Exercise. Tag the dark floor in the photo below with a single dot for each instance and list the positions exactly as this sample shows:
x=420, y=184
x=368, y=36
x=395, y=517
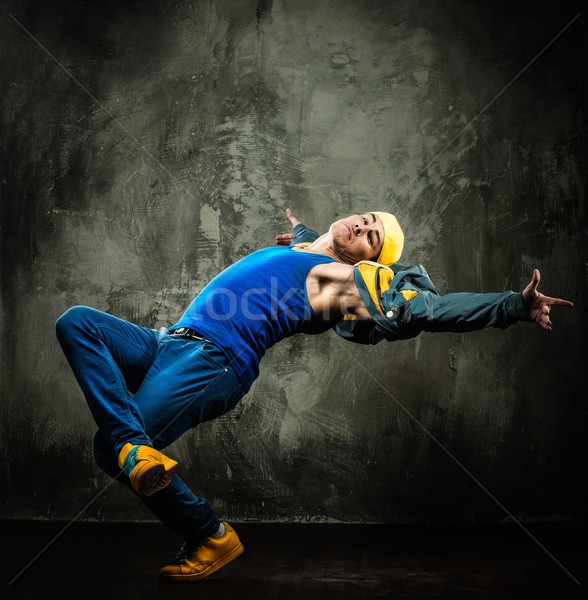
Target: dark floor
x=107, y=561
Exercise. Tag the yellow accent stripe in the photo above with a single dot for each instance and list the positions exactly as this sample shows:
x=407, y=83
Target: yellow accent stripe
x=408, y=294
x=386, y=278
x=367, y=270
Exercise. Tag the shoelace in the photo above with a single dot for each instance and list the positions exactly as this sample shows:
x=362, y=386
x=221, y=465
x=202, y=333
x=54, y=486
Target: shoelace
x=130, y=461
x=185, y=552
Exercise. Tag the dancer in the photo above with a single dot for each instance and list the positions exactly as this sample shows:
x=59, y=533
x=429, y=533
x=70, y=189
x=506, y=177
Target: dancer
x=146, y=387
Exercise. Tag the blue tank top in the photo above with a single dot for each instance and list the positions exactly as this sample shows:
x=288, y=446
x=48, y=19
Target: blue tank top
x=254, y=303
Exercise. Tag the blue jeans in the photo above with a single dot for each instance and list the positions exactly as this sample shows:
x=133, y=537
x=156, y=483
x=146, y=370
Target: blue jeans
x=145, y=386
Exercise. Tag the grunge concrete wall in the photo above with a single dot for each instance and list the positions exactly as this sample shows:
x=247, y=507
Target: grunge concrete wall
x=145, y=146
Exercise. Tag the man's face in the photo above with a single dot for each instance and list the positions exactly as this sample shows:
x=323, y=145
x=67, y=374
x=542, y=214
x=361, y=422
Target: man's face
x=358, y=237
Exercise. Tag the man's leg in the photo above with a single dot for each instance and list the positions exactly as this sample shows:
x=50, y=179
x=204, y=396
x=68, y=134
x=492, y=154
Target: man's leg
x=188, y=383
x=176, y=506
x=110, y=358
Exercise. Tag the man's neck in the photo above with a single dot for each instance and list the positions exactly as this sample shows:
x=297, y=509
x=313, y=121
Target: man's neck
x=323, y=245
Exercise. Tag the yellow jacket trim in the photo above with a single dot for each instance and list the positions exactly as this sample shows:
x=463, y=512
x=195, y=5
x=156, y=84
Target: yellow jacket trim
x=408, y=294
x=368, y=270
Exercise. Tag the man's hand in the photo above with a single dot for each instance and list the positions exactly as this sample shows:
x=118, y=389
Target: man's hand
x=284, y=239
x=538, y=305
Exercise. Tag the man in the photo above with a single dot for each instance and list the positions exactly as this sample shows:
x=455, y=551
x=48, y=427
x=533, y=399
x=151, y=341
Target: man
x=401, y=301
x=145, y=388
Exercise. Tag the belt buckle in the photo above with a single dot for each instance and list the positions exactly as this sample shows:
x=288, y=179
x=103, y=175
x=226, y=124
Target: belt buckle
x=188, y=333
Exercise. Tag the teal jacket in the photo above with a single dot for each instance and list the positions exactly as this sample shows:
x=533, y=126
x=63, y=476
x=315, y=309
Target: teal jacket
x=403, y=301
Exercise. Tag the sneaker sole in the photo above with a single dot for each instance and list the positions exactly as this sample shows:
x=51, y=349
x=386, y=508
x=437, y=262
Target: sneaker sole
x=151, y=478
x=221, y=562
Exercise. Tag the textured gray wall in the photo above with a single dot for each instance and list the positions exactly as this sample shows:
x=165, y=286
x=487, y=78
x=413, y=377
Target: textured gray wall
x=171, y=147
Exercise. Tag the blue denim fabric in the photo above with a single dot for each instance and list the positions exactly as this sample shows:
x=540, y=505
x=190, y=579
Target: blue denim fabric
x=145, y=386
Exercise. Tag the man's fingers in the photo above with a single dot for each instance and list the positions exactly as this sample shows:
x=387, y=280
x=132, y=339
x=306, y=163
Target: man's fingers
x=544, y=321
x=292, y=217
x=558, y=302
x=535, y=280
x=540, y=305
x=284, y=239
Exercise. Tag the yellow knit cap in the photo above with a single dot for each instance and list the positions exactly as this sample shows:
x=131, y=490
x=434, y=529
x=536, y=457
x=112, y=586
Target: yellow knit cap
x=393, y=239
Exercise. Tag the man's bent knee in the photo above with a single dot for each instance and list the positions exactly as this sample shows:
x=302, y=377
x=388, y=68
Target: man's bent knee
x=72, y=318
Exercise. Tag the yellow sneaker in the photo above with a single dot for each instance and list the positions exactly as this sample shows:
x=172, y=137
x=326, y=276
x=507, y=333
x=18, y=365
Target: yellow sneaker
x=192, y=563
x=148, y=469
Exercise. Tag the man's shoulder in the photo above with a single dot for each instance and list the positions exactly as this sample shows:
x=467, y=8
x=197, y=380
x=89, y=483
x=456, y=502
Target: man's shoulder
x=333, y=272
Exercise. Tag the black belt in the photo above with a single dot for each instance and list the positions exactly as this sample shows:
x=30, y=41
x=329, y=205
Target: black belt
x=186, y=332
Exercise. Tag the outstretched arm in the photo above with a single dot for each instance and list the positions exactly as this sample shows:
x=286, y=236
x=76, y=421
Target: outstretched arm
x=468, y=312
x=284, y=239
x=462, y=311
x=538, y=305
x=300, y=233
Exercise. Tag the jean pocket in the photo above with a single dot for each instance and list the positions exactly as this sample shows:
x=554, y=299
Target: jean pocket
x=215, y=355
x=222, y=395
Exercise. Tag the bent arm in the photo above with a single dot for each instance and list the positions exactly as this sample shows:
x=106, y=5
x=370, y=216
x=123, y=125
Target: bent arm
x=303, y=234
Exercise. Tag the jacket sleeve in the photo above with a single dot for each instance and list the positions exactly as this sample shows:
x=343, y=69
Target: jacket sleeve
x=409, y=304
x=458, y=312
x=303, y=235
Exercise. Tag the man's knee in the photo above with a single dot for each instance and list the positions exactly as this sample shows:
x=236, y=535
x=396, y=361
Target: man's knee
x=72, y=319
